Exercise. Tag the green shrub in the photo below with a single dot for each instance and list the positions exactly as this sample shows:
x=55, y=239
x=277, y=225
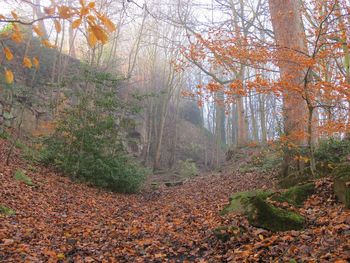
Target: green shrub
x=89, y=143
x=271, y=161
x=187, y=168
x=6, y=211
x=266, y=161
x=3, y=134
x=332, y=151
x=22, y=177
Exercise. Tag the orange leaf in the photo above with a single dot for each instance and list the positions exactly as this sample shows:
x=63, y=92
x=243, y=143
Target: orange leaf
x=91, y=20
x=60, y=256
x=64, y=12
x=46, y=43
x=92, y=40
x=58, y=26
x=9, y=76
x=100, y=34
x=76, y=23
x=36, y=62
x=49, y=10
x=91, y=5
x=8, y=54
x=17, y=37
x=38, y=31
x=15, y=16
x=26, y=62
x=84, y=11
x=108, y=23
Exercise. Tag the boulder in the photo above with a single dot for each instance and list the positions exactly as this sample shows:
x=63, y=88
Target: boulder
x=292, y=180
x=264, y=215
x=238, y=201
x=295, y=195
x=342, y=183
x=170, y=184
x=261, y=213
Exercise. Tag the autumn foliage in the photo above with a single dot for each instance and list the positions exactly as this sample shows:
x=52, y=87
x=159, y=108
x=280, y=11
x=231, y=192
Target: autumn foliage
x=325, y=85
x=85, y=14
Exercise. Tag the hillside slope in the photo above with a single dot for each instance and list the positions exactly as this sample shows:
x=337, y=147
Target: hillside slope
x=59, y=220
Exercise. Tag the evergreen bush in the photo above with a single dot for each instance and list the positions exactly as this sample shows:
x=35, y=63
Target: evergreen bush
x=89, y=141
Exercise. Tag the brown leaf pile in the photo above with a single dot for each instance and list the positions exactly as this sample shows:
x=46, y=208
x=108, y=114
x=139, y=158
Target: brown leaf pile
x=62, y=221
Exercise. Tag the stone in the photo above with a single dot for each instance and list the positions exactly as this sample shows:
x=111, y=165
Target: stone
x=292, y=180
x=295, y=195
x=239, y=200
x=342, y=183
x=264, y=215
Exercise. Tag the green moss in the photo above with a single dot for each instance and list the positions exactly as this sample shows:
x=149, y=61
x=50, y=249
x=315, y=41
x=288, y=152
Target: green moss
x=342, y=171
x=154, y=186
x=239, y=200
x=292, y=180
x=22, y=177
x=332, y=151
x=187, y=168
x=342, y=183
x=4, y=135
x=6, y=211
x=264, y=215
x=296, y=195
x=170, y=184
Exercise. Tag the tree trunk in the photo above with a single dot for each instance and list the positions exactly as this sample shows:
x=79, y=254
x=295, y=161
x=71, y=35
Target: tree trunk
x=242, y=135
x=290, y=36
x=255, y=132
x=262, y=111
x=234, y=125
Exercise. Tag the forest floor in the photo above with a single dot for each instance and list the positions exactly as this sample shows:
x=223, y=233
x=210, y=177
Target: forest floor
x=58, y=220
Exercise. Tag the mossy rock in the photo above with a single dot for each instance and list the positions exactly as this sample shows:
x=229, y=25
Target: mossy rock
x=6, y=211
x=171, y=184
x=292, y=180
x=264, y=215
x=342, y=183
x=154, y=186
x=22, y=177
x=238, y=201
x=295, y=195
x=225, y=233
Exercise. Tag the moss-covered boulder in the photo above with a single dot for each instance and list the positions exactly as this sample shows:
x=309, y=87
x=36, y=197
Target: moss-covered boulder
x=238, y=201
x=6, y=210
x=154, y=186
x=342, y=183
x=295, y=195
x=292, y=180
x=264, y=215
x=261, y=213
x=171, y=184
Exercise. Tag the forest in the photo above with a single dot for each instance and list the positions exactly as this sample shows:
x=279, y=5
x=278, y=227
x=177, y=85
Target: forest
x=175, y=131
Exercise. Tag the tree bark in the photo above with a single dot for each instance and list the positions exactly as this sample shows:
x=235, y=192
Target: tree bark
x=290, y=36
x=262, y=111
